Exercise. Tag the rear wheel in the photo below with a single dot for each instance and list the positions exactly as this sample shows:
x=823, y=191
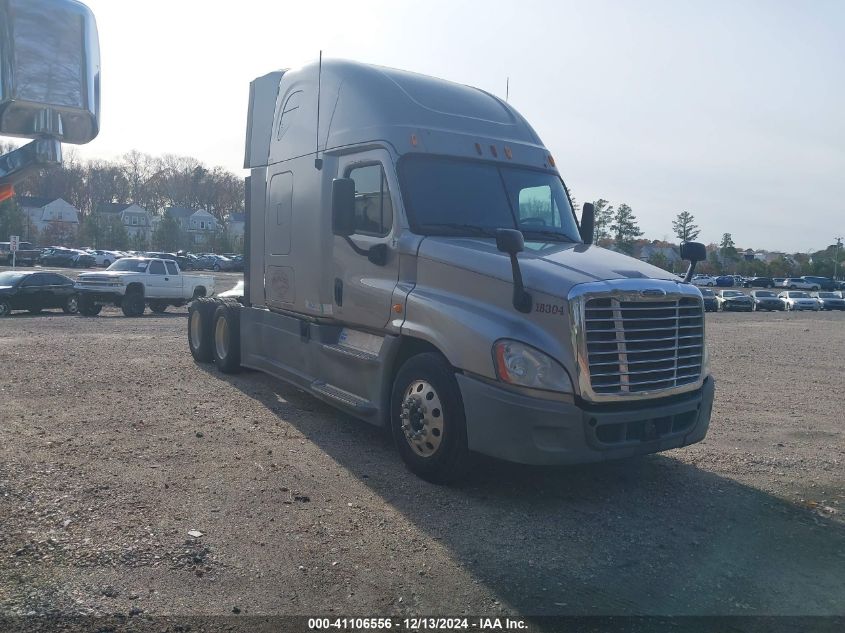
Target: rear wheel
x=200, y=314
x=427, y=419
x=133, y=304
x=227, y=337
x=158, y=307
x=5, y=308
x=71, y=305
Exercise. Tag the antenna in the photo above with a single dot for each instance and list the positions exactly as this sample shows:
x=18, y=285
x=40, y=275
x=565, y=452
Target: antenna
x=507, y=88
x=318, y=162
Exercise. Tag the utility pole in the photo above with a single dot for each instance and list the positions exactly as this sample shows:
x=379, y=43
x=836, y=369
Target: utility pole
x=836, y=259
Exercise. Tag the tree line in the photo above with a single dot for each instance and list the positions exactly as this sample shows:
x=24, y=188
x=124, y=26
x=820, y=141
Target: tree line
x=617, y=227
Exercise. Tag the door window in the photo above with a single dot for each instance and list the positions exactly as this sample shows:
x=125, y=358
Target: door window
x=157, y=268
x=171, y=268
x=32, y=281
x=373, y=207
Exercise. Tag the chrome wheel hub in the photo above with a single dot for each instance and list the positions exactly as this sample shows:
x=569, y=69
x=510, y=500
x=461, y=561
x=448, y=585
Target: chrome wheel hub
x=196, y=329
x=73, y=305
x=422, y=418
x=221, y=337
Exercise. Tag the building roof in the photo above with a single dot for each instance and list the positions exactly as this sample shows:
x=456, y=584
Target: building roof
x=180, y=212
x=112, y=207
x=33, y=202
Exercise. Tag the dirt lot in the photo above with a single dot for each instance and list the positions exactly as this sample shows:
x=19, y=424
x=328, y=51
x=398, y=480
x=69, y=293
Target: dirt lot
x=114, y=445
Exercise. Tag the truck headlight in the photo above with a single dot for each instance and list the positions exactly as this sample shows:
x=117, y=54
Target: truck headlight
x=520, y=364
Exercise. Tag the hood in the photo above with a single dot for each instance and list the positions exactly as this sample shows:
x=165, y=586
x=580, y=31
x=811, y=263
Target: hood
x=552, y=268
x=107, y=275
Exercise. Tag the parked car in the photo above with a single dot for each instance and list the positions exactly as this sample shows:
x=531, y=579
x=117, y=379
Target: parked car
x=136, y=282
x=830, y=300
x=824, y=283
x=765, y=300
x=710, y=303
x=218, y=263
x=797, y=300
x=105, y=258
x=704, y=280
x=36, y=291
x=799, y=283
x=734, y=300
x=725, y=281
x=64, y=257
x=26, y=254
x=778, y=281
x=759, y=282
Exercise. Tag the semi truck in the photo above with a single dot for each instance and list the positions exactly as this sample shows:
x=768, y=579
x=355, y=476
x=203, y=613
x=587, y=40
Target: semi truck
x=413, y=258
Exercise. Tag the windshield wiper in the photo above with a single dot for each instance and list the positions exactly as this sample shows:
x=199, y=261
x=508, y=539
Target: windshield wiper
x=457, y=229
x=556, y=236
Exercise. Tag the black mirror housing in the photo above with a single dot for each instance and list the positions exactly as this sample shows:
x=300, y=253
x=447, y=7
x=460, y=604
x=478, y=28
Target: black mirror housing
x=588, y=223
x=693, y=251
x=510, y=241
x=343, y=206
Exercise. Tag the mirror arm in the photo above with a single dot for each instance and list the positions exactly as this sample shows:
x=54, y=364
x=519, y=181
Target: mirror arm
x=521, y=299
x=376, y=254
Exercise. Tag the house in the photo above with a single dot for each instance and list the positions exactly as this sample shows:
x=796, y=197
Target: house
x=135, y=218
x=53, y=219
x=648, y=251
x=198, y=223
x=235, y=227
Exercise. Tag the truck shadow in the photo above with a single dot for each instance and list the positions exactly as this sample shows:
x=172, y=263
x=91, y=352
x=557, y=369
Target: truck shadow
x=654, y=535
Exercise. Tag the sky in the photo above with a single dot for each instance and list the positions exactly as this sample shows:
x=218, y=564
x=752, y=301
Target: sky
x=733, y=111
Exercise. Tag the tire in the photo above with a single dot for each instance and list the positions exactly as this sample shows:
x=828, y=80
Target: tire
x=106, y=264
x=814, y=288
x=227, y=336
x=5, y=308
x=198, y=293
x=793, y=287
x=133, y=304
x=709, y=284
x=200, y=340
x=216, y=268
x=158, y=307
x=88, y=307
x=440, y=454
x=71, y=305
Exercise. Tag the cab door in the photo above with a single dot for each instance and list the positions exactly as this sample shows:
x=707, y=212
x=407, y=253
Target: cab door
x=363, y=286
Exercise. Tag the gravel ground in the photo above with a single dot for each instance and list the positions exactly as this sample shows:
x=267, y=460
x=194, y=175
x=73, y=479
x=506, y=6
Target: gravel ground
x=114, y=446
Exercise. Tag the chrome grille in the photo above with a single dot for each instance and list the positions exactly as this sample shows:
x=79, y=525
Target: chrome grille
x=633, y=346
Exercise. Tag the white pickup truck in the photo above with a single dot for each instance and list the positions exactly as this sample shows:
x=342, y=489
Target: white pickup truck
x=133, y=283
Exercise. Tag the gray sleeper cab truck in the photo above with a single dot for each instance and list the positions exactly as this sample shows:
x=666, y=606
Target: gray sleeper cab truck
x=414, y=260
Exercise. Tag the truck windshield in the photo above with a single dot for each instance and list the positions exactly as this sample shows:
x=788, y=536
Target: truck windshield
x=445, y=196
x=129, y=264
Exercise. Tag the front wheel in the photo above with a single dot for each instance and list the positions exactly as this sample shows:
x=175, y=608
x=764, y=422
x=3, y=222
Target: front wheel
x=427, y=419
x=133, y=304
x=87, y=307
x=5, y=308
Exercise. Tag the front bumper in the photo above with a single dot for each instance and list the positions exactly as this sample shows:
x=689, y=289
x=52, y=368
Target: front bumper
x=101, y=296
x=529, y=430
x=736, y=307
